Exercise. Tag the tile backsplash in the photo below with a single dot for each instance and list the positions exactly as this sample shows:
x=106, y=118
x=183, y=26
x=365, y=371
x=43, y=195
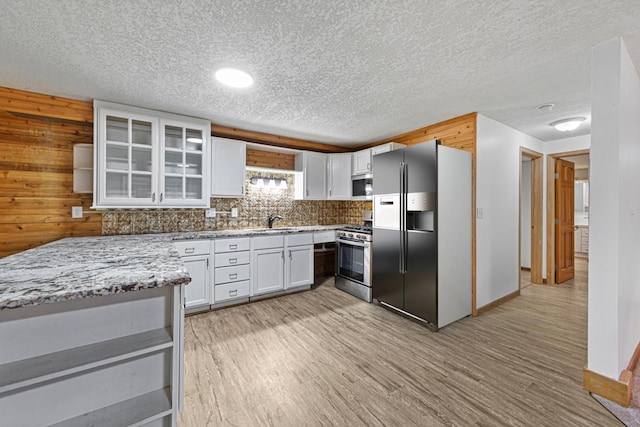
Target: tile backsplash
x=253, y=211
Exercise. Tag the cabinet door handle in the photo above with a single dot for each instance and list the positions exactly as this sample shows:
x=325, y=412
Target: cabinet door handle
x=233, y=247
x=233, y=293
x=233, y=260
x=282, y=254
x=329, y=192
x=368, y=166
x=290, y=254
x=242, y=190
x=161, y=196
x=153, y=197
x=307, y=192
x=233, y=276
x=189, y=250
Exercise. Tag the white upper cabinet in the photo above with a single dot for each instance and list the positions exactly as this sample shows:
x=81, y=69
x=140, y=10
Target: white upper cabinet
x=145, y=158
x=361, y=162
x=339, y=176
x=126, y=170
x=389, y=146
x=314, y=176
x=184, y=181
x=229, y=158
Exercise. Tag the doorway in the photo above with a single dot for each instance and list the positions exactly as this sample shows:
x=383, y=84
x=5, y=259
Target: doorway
x=530, y=218
x=567, y=213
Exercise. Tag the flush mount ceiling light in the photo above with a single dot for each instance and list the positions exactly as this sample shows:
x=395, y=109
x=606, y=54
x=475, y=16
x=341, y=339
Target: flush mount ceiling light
x=566, y=125
x=234, y=77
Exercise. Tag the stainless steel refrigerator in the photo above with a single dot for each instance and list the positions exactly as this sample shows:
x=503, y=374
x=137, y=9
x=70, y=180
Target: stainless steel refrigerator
x=422, y=219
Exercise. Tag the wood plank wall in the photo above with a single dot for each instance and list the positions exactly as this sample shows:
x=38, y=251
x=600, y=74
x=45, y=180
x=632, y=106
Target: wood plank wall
x=37, y=134
x=459, y=132
x=269, y=159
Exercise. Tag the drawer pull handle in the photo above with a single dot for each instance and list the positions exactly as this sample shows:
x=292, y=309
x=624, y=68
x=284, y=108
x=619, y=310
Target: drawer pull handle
x=233, y=293
x=233, y=246
x=189, y=250
x=233, y=260
x=233, y=276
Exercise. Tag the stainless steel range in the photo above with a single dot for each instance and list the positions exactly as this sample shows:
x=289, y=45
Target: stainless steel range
x=353, y=269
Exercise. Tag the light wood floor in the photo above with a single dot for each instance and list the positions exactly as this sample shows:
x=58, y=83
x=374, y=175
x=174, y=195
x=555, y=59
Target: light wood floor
x=325, y=358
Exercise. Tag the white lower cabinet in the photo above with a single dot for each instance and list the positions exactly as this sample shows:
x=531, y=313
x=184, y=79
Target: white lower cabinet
x=281, y=262
x=197, y=291
x=231, y=291
x=232, y=272
x=268, y=270
x=195, y=255
x=298, y=260
x=299, y=266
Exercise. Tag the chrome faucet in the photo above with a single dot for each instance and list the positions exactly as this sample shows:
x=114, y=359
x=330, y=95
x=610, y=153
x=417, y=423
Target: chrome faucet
x=273, y=218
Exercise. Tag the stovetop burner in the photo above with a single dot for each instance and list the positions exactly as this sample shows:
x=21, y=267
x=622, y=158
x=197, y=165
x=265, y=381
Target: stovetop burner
x=359, y=229
x=355, y=233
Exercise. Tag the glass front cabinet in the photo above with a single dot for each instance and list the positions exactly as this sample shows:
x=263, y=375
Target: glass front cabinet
x=148, y=159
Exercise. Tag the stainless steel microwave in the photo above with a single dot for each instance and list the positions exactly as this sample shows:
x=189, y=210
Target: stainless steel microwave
x=362, y=187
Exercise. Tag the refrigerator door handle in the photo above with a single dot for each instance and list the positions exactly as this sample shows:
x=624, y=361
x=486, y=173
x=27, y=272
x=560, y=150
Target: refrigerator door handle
x=402, y=217
x=401, y=258
x=405, y=236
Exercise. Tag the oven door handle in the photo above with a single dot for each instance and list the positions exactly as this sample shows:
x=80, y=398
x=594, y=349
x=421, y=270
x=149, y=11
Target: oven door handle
x=352, y=243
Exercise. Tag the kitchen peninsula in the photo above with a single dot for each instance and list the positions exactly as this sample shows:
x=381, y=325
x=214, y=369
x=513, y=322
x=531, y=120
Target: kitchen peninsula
x=92, y=328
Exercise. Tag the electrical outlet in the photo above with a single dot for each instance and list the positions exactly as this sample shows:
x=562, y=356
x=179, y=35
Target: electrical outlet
x=234, y=212
x=210, y=213
x=76, y=211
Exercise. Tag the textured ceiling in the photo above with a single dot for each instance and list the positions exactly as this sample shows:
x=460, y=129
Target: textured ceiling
x=335, y=71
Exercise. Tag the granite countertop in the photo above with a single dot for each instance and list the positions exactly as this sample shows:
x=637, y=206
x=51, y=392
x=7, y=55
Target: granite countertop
x=83, y=267
x=253, y=232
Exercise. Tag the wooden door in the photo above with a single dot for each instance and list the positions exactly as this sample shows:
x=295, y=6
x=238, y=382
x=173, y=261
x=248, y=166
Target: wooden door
x=564, y=220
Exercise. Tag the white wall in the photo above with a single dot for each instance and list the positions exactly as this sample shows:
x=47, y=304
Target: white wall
x=614, y=217
x=497, y=195
x=525, y=215
x=567, y=144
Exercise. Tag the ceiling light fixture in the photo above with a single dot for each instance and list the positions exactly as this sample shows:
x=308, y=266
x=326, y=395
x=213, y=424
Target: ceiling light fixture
x=234, y=77
x=269, y=182
x=194, y=140
x=567, y=125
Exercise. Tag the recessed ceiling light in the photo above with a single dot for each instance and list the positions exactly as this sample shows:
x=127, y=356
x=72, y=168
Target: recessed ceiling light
x=234, y=77
x=566, y=125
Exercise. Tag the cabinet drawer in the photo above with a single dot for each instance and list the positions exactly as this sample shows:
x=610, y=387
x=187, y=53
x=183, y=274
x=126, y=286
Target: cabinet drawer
x=324, y=236
x=298, y=239
x=585, y=240
x=585, y=231
x=231, y=274
x=231, y=291
x=268, y=242
x=232, y=245
x=585, y=249
x=193, y=247
x=232, y=258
